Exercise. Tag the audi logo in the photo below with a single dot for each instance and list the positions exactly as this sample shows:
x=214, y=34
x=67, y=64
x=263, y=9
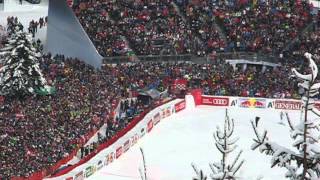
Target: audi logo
x=215, y=101
x=220, y=101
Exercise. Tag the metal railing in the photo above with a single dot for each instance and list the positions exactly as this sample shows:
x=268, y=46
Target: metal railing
x=190, y=57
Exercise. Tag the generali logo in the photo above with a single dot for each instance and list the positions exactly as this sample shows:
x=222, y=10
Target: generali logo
x=215, y=101
x=288, y=105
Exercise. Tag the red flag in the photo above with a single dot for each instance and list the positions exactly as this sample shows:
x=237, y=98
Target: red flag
x=180, y=84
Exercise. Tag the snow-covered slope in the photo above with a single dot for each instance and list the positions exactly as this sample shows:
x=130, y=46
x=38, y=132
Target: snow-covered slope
x=187, y=137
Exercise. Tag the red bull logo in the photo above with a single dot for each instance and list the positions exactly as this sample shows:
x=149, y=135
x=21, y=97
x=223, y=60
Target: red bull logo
x=252, y=103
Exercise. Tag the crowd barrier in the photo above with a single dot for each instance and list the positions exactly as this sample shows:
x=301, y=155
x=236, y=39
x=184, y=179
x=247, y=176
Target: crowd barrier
x=252, y=102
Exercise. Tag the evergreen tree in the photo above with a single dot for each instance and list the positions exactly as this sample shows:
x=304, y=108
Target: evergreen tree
x=20, y=74
x=226, y=144
x=304, y=162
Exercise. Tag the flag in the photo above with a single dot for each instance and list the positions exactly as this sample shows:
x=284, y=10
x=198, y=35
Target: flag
x=180, y=84
x=47, y=90
x=19, y=115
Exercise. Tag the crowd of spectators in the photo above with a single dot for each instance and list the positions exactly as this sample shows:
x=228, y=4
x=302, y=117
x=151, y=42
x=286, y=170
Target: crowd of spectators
x=265, y=26
x=150, y=27
x=201, y=20
x=37, y=131
x=103, y=31
x=183, y=26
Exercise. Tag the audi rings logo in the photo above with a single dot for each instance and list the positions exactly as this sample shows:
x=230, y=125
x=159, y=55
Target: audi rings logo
x=215, y=101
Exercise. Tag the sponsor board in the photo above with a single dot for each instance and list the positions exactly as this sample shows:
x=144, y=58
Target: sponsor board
x=126, y=146
x=99, y=165
x=180, y=106
x=168, y=112
x=119, y=152
x=89, y=171
x=215, y=101
x=149, y=126
x=142, y=132
x=79, y=176
x=156, y=119
x=110, y=157
x=163, y=113
x=134, y=139
x=106, y=160
x=287, y=105
x=252, y=103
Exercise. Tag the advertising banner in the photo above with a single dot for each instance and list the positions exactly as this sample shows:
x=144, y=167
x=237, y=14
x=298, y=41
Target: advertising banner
x=142, y=132
x=252, y=103
x=126, y=146
x=134, y=139
x=119, y=152
x=156, y=118
x=79, y=176
x=149, y=126
x=110, y=157
x=168, y=111
x=215, y=101
x=99, y=165
x=287, y=105
x=180, y=106
x=89, y=171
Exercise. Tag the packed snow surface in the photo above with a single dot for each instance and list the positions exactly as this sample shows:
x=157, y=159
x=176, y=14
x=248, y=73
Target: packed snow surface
x=187, y=137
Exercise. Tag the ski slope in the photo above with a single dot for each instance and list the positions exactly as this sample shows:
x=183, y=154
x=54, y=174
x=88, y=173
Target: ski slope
x=187, y=137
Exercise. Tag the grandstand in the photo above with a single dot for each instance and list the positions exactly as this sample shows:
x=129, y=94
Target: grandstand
x=112, y=62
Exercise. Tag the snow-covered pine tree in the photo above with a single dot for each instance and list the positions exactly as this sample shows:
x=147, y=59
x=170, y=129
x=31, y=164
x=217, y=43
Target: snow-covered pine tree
x=20, y=74
x=304, y=162
x=226, y=144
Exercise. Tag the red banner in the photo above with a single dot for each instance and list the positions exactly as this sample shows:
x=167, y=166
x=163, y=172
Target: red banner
x=180, y=84
x=288, y=105
x=180, y=106
x=215, y=101
x=150, y=126
x=196, y=93
x=119, y=152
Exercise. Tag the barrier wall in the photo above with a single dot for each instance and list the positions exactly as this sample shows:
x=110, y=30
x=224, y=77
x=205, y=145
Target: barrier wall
x=253, y=102
x=123, y=140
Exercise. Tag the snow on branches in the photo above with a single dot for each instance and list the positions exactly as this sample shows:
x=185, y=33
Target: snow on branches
x=20, y=74
x=199, y=173
x=304, y=161
x=225, y=144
